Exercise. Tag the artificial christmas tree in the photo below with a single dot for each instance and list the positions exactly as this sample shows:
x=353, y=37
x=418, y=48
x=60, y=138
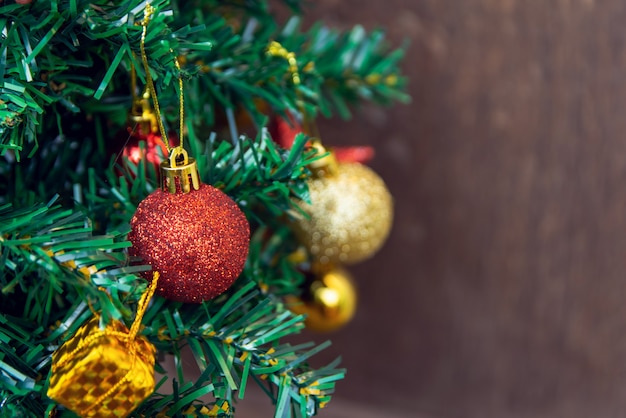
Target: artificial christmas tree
x=70, y=73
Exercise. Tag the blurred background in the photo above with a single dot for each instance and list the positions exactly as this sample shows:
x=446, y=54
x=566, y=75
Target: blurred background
x=500, y=292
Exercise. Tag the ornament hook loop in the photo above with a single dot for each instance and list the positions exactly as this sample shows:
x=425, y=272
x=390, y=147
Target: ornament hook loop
x=325, y=166
x=179, y=172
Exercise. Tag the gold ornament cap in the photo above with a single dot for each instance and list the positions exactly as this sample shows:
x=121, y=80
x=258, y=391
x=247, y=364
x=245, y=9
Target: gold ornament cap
x=179, y=172
x=325, y=166
x=143, y=115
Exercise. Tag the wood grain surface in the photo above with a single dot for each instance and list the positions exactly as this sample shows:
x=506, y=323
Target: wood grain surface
x=501, y=290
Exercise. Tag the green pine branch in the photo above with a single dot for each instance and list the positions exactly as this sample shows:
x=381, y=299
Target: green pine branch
x=233, y=338
x=343, y=69
x=47, y=254
x=75, y=56
x=65, y=77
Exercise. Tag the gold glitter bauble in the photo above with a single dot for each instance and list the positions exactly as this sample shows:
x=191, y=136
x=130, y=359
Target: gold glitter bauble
x=351, y=212
x=329, y=301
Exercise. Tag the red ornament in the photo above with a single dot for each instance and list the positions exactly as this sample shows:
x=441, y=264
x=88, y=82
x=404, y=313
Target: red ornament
x=197, y=241
x=360, y=154
x=143, y=126
x=283, y=133
x=154, y=149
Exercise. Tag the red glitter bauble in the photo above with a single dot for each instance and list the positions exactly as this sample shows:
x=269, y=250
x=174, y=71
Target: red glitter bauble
x=197, y=241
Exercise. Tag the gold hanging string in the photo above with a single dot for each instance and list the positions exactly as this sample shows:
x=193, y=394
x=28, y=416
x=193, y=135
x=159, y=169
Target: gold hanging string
x=148, y=12
x=136, y=101
x=133, y=81
x=275, y=49
x=181, y=102
x=143, y=305
x=141, y=111
x=326, y=165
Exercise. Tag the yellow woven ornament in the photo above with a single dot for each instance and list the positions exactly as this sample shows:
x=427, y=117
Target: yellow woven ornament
x=105, y=372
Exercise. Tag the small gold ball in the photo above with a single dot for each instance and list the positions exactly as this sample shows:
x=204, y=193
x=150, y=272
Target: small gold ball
x=329, y=301
x=350, y=215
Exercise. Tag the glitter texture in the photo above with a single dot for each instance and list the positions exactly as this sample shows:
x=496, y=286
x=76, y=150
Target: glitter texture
x=350, y=215
x=197, y=241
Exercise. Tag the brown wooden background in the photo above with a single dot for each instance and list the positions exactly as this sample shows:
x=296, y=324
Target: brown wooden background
x=502, y=290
